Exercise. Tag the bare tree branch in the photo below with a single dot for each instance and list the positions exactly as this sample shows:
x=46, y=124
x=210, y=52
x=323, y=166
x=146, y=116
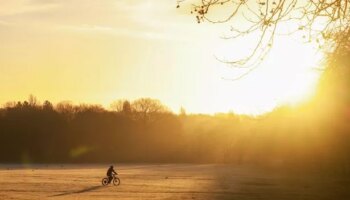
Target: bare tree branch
x=318, y=20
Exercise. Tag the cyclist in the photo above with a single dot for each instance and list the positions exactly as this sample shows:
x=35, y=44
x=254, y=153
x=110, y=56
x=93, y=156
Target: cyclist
x=110, y=173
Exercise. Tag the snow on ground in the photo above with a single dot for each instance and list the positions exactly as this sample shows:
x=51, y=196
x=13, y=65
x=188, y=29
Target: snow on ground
x=165, y=181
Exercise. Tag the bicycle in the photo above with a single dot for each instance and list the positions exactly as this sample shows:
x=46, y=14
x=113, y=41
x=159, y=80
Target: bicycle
x=115, y=181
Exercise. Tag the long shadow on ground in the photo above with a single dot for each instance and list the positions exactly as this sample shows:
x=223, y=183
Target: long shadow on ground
x=79, y=191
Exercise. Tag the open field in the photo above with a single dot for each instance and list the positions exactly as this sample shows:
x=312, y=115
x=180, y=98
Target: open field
x=168, y=181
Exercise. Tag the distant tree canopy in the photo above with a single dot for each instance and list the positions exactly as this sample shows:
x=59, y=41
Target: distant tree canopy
x=33, y=132
x=145, y=109
x=326, y=22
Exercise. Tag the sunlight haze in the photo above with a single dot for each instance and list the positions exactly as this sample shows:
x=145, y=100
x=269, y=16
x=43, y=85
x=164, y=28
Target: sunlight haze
x=101, y=51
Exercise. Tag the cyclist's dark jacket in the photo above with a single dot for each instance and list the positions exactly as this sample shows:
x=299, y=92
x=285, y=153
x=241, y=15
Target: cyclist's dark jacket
x=110, y=171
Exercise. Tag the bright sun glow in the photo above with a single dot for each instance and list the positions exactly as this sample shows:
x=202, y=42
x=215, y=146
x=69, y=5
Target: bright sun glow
x=288, y=75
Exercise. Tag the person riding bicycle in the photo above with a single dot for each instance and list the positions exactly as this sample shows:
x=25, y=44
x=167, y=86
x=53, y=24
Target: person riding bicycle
x=110, y=173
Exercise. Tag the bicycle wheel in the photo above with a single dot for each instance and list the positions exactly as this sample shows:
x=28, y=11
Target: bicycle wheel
x=116, y=181
x=105, y=181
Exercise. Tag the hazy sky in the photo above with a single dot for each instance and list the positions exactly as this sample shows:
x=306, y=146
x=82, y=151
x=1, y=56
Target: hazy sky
x=100, y=51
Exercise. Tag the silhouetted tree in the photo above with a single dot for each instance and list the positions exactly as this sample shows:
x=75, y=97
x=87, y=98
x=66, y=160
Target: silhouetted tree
x=122, y=106
x=32, y=101
x=147, y=109
x=127, y=110
x=117, y=105
x=66, y=108
x=48, y=106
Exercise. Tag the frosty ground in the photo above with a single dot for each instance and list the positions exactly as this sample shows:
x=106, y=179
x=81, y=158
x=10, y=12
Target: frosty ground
x=165, y=181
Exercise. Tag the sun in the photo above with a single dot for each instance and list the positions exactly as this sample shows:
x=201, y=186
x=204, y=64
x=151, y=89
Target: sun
x=288, y=75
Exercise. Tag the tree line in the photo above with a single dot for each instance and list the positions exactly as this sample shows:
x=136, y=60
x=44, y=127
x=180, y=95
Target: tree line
x=142, y=131
x=146, y=131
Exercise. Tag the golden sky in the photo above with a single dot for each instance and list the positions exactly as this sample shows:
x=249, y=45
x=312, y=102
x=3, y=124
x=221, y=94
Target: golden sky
x=101, y=51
